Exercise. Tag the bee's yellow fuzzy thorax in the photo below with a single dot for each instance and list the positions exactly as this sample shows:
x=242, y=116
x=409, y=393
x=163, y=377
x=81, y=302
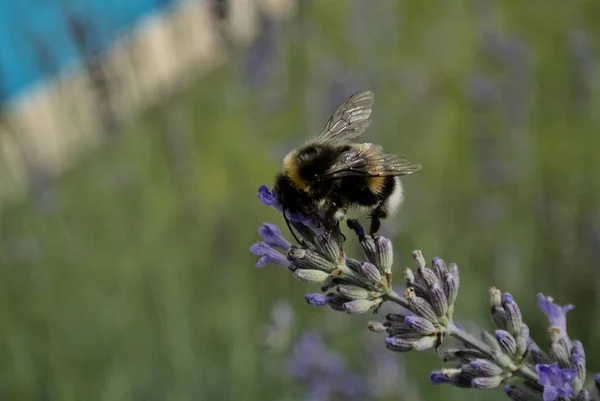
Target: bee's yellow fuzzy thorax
x=291, y=169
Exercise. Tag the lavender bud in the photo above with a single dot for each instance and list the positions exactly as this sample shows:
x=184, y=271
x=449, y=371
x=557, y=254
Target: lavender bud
x=395, y=317
x=370, y=272
x=376, y=327
x=522, y=340
x=311, y=276
x=483, y=367
x=439, y=302
x=499, y=318
x=487, y=382
x=451, y=288
x=420, y=325
x=597, y=381
x=336, y=302
x=420, y=290
x=519, y=393
x=385, y=254
x=463, y=355
x=361, y=306
x=354, y=265
x=397, y=328
x=419, y=305
x=306, y=259
x=409, y=277
x=409, y=344
x=539, y=356
x=505, y=361
x=453, y=269
x=353, y=292
x=450, y=376
x=439, y=267
x=399, y=344
x=495, y=297
x=514, y=318
x=560, y=347
x=583, y=395
x=425, y=343
x=330, y=247
x=369, y=247
x=316, y=299
x=490, y=340
x=418, y=257
x=428, y=276
x=507, y=342
x=578, y=359
x=498, y=313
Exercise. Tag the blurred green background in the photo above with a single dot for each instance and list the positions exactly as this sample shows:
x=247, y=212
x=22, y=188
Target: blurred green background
x=130, y=278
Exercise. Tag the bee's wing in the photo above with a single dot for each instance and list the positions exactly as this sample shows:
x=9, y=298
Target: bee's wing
x=350, y=120
x=368, y=161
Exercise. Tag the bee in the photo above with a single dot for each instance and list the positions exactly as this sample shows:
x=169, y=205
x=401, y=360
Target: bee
x=333, y=174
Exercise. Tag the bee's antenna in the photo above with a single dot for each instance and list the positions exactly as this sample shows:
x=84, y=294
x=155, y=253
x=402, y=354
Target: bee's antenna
x=287, y=221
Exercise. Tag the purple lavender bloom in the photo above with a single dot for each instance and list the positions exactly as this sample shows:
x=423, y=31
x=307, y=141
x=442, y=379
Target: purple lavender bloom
x=556, y=381
x=268, y=255
x=597, y=380
x=556, y=314
x=270, y=198
x=438, y=377
x=316, y=299
x=273, y=237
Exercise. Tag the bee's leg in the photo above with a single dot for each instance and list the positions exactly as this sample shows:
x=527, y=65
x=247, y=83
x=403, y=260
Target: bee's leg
x=292, y=231
x=376, y=215
x=333, y=216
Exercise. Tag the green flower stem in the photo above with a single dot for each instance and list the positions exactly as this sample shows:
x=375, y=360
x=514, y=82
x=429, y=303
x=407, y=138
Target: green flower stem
x=527, y=373
x=394, y=297
x=470, y=340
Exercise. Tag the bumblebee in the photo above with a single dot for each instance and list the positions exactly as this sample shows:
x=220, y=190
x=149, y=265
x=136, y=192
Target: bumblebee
x=333, y=174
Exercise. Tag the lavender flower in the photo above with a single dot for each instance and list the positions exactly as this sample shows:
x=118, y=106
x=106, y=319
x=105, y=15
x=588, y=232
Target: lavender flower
x=351, y=286
x=273, y=237
x=268, y=255
x=556, y=381
x=425, y=316
x=556, y=314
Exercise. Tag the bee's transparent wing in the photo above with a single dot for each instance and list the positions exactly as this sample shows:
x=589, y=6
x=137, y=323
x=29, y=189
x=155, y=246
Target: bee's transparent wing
x=350, y=120
x=369, y=161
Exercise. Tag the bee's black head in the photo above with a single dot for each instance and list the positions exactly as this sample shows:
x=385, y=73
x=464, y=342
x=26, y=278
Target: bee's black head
x=292, y=198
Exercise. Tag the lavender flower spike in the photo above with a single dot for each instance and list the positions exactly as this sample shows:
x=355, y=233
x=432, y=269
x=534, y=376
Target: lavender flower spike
x=425, y=317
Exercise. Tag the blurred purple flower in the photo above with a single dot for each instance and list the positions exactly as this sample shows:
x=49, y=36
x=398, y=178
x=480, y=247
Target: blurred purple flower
x=323, y=371
x=556, y=381
x=556, y=314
